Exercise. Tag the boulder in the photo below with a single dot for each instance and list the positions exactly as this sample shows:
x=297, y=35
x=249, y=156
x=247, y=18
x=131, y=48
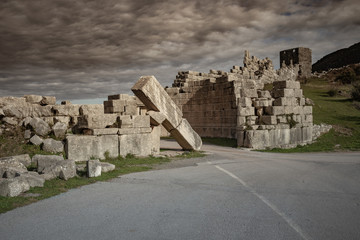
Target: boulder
x=23, y=158
x=93, y=168
x=91, y=109
x=33, y=178
x=13, y=187
x=33, y=98
x=40, y=126
x=107, y=167
x=10, y=120
x=36, y=140
x=64, y=169
x=60, y=129
x=45, y=158
x=27, y=134
x=10, y=167
x=53, y=146
x=48, y=100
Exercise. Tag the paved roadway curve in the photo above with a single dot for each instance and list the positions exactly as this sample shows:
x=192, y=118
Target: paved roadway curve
x=230, y=194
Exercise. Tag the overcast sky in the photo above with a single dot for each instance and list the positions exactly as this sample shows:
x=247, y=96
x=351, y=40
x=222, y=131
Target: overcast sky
x=87, y=49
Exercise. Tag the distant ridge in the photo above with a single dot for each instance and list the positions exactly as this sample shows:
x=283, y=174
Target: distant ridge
x=338, y=58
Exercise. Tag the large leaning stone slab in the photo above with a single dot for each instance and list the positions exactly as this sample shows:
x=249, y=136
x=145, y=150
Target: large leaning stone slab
x=82, y=148
x=155, y=98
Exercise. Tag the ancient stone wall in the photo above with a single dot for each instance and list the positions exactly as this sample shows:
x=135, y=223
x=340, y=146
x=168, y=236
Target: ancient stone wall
x=235, y=104
x=300, y=56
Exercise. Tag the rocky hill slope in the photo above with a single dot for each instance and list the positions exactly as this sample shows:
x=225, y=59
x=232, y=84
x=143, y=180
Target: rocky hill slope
x=338, y=58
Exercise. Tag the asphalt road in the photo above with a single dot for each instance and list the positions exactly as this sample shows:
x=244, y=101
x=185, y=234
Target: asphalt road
x=230, y=194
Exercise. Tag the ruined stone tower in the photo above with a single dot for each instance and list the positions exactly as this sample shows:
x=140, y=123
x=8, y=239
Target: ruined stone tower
x=301, y=56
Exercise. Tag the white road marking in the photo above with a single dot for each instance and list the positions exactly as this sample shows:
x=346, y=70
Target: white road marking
x=291, y=223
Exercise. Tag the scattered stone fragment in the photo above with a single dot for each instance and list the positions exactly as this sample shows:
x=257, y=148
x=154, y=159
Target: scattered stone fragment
x=107, y=167
x=33, y=178
x=23, y=158
x=12, y=187
x=27, y=134
x=40, y=126
x=53, y=146
x=36, y=140
x=94, y=168
x=60, y=129
x=63, y=169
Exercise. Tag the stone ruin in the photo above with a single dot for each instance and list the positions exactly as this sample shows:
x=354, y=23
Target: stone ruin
x=258, y=106
x=298, y=56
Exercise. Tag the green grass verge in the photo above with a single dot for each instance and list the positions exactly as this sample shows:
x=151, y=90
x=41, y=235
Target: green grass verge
x=225, y=142
x=54, y=187
x=337, y=111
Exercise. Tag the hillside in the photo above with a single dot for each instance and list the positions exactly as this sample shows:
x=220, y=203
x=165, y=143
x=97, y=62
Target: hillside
x=338, y=58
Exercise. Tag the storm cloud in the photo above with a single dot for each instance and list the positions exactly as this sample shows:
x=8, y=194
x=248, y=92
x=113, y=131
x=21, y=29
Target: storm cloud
x=90, y=49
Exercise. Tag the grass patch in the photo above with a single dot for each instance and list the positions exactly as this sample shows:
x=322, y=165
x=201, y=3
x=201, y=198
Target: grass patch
x=338, y=111
x=126, y=165
x=225, y=142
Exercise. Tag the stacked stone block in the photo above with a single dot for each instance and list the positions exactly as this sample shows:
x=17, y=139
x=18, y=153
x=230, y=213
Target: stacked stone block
x=235, y=104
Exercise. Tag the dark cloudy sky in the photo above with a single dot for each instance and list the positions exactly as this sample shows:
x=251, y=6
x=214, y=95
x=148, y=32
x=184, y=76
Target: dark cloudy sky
x=87, y=49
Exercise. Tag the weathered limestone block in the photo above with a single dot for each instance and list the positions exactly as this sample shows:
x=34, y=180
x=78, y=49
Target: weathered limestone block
x=40, y=126
x=156, y=118
x=64, y=169
x=250, y=93
x=155, y=140
x=10, y=120
x=105, y=131
x=36, y=140
x=93, y=168
x=155, y=98
x=82, y=148
x=45, y=158
x=53, y=146
x=284, y=93
x=137, y=144
x=275, y=110
x=60, y=129
x=48, y=100
x=286, y=84
x=33, y=179
x=141, y=121
x=285, y=101
x=23, y=158
x=97, y=121
x=11, y=166
x=244, y=102
x=268, y=120
x=66, y=110
x=91, y=109
x=107, y=167
x=62, y=119
x=246, y=111
x=27, y=134
x=126, y=131
x=263, y=94
x=186, y=137
x=33, y=98
x=13, y=187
